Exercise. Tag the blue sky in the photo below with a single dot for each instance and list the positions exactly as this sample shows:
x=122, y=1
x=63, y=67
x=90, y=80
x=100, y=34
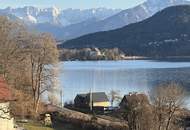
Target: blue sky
x=81, y=4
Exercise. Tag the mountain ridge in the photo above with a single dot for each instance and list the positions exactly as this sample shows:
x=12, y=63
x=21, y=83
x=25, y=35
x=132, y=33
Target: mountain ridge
x=123, y=18
x=58, y=16
x=64, y=27
x=167, y=33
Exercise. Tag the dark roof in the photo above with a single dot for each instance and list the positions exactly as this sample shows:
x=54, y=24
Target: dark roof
x=134, y=98
x=5, y=93
x=96, y=96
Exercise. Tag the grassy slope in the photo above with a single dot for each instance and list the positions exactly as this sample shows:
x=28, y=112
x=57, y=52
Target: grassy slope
x=35, y=126
x=30, y=126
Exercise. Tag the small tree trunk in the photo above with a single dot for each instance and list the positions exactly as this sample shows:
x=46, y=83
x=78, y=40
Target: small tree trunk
x=169, y=119
x=112, y=102
x=37, y=106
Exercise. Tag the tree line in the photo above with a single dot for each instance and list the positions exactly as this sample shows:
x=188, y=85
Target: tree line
x=28, y=63
x=91, y=54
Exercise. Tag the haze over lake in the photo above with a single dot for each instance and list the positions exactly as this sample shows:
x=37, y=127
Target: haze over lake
x=124, y=76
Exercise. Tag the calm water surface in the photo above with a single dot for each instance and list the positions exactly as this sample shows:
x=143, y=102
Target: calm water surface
x=124, y=76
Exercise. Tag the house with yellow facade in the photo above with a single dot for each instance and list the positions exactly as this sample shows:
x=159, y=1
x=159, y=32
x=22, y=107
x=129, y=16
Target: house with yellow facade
x=96, y=100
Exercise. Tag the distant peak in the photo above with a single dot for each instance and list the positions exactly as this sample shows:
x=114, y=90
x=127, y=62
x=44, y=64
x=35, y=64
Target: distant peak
x=166, y=1
x=55, y=11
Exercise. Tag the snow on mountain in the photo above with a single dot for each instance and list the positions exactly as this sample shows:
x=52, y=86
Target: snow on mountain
x=71, y=23
x=30, y=18
x=55, y=11
x=139, y=13
x=123, y=18
x=157, y=5
x=56, y=16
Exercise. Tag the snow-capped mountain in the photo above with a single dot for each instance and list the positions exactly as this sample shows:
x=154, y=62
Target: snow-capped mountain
x=71, y=23
x=56, y=16
x=136, y=14
x=123, y=18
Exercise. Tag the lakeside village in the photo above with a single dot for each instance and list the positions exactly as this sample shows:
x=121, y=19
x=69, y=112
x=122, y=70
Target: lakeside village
x=96, y=111
x=94, y=54
x=28, y=70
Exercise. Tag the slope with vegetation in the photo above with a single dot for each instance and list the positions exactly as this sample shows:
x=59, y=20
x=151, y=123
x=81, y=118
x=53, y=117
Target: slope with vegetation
x=167, y=33
x=27, y=63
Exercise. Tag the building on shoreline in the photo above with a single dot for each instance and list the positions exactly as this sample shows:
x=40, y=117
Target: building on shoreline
x=134, y=99
x=98, y=100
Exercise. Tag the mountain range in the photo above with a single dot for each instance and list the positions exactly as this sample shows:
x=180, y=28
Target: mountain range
x=167, y=33
x=71, y=23
x=51, y=19
x=123, y=18
x=56, y=16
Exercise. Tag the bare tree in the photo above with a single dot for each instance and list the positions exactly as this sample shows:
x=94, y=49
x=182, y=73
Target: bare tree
x=27, y=61
x=43, y=56
x=167, y=100
x=13, y=62
x=23, y=106
x=11, y=40
x=138, y=111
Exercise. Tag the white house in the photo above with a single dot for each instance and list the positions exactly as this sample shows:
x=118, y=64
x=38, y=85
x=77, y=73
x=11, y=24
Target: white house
x=6, y=121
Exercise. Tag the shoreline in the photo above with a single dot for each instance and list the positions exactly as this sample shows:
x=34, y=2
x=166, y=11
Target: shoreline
x=135, y=58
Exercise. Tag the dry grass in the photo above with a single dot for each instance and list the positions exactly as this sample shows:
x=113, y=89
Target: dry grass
x=30, y=126
x=37, y=126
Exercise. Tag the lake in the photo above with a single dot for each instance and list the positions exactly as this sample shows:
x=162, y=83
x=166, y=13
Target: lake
x=124, y=76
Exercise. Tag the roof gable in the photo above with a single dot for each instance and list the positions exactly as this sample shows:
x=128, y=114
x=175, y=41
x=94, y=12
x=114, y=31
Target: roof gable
x=134, y=98
x=99, y=97
x=96, y=96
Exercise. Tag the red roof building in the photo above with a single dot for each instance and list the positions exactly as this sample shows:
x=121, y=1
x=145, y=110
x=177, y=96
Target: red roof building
x=5, y=93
